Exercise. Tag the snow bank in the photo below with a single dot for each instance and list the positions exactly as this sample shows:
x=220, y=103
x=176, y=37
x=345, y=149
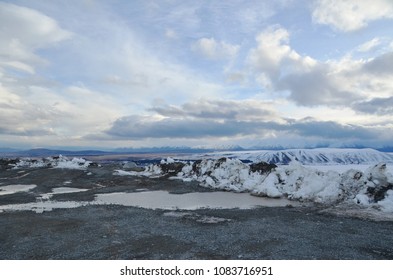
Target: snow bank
x=373, y=187
x=54, y=162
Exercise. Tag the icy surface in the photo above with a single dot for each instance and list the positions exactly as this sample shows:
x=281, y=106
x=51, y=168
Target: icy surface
x=10, y=189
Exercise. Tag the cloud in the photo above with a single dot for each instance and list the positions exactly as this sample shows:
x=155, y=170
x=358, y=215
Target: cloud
x=198, y=119
x=278, y=67
x=26, y=31
x=69, y=112
x=351, y=15
x=171, y=34
x=135, y=127
x=375, y=106
x=316, y=87
x=205, y=119
x=211, y=49
x=272, y=49
x=273, y=55
x=18, y=117
x=369, y=45
x=381, y=65
x=309, y=82
x=330, y=130
x=219, y=109
x=140, y=127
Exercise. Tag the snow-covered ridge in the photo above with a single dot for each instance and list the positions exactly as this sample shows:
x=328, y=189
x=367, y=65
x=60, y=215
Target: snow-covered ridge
x=321, y=156
x=373, y=187
x=54, y=162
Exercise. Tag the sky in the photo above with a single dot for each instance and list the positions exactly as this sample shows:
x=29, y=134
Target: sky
x=109, y=74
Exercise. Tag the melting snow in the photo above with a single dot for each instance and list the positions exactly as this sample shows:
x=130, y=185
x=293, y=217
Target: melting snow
x=60, y=191
x=43, y=206
x=10, y=189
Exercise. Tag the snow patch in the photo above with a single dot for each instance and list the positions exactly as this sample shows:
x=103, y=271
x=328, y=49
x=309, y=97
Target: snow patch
x=10, y=189
x=43, y=206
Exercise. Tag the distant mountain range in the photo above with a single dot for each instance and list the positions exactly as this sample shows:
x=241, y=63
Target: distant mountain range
x=158, y=150
x=305, y=156
x=49, y=152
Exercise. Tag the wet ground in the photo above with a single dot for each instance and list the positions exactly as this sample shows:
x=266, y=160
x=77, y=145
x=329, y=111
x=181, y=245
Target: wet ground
x=124, y=232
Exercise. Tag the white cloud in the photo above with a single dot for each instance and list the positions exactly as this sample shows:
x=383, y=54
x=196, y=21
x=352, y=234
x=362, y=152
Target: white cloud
x=350, y=15
x=340, y=82
x=273, y=57
x=212, y=49
x=309, y=82
x=26, y=31
x=71, y=112
x=272, y=49
x=369, y=45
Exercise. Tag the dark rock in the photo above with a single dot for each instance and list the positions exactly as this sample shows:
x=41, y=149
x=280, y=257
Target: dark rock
x=196, y=167
x=379, y=192
x=172, y=168
x=219, y=162
x=262, y=167
x=6, y=163
x=94, y=164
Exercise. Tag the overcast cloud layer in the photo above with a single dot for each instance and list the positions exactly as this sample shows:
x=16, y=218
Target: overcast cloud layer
x=198, y=73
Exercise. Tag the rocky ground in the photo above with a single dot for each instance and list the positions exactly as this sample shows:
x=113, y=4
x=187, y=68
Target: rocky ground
x=119, y=232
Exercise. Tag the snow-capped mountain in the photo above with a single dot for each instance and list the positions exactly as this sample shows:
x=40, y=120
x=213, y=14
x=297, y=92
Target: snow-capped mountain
x=320, y=156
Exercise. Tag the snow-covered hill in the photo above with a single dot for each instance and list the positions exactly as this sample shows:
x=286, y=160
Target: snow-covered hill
x=371, y=188
x=51, y=162
x=321, y=156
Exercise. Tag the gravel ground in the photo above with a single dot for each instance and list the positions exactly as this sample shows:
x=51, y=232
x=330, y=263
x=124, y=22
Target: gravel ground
x=118, y=232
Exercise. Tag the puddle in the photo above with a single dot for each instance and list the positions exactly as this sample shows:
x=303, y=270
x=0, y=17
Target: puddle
x=10, y=189
x=190, y=201
x=154, y=200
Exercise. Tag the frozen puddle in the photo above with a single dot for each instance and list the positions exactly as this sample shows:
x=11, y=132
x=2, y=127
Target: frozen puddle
x=190, y=201
x=10, y=189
